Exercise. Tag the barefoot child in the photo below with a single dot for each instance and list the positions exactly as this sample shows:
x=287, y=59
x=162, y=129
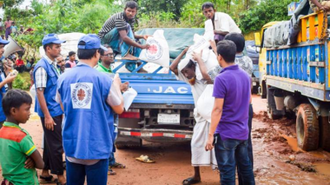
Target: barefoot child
x=19, y=156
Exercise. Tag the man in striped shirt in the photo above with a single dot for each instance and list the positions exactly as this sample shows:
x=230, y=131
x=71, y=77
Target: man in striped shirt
x=118, y=32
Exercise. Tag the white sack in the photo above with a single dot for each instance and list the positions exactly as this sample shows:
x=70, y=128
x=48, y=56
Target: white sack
x=158, y=52
x=205, y=103
x=129, y=96
x=33, y=91
x=202, y=43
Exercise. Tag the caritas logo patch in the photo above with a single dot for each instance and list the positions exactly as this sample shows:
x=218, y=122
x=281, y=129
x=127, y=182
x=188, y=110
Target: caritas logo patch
x=155, y=50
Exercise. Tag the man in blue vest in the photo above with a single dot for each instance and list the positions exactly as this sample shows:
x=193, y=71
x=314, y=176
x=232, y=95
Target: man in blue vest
x=90, y=99
x=4, y=80
x=45, y=75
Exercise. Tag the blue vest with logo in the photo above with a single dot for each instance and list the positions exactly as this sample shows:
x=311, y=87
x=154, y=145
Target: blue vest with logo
x=88, y=123
x=54, y=108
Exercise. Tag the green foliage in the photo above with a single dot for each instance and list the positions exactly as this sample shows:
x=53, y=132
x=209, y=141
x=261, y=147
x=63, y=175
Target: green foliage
x=150, y=6
x=157, y=20
x=65, y=17
x=88, y=16
x=266, y=11
x=22, y=81
x=11, y=3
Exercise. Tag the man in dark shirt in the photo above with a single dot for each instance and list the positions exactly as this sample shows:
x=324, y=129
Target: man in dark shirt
x=118, y=32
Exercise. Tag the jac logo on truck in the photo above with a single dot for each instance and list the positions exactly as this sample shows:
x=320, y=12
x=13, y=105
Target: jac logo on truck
x=180, y=90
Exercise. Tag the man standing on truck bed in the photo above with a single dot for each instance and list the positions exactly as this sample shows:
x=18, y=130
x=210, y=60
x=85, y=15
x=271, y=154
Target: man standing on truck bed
x=185, y=71
x=118, y=32
x=317, y=5
x=222, y=22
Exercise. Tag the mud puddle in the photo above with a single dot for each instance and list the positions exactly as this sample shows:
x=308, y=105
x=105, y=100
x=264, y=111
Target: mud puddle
x=293, y=143
x=322, y=168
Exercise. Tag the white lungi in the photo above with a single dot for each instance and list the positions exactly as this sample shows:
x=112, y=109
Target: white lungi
x=199, y=156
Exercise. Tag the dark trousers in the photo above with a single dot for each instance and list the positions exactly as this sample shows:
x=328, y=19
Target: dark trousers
x=53, y=149
x=96, y=174
x=8, y=32
x=231, y=153
x=249, y=145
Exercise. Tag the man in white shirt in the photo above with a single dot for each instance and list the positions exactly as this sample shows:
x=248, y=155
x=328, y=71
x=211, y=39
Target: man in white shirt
x=222, y=22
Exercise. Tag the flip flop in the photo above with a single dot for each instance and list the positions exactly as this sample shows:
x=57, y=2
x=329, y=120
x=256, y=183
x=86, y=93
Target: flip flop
x=118, y=165
x=110, y=171
x=190, y=180
x=145, y=159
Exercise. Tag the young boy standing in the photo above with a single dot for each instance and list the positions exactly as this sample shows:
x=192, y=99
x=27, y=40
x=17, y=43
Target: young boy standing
x=19, y=156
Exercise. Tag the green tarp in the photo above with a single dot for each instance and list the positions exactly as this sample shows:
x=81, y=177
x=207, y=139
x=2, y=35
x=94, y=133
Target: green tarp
x=177, y=38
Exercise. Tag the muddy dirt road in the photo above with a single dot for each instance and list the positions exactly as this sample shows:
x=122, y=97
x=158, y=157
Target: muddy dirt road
x=277, y=159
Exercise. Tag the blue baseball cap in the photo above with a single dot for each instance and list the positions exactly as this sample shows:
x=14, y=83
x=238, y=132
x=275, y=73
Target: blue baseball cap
x=92, y=41
x=4, y=42
x=51, y=38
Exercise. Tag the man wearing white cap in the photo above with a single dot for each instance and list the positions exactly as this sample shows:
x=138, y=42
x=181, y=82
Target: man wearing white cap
x=185, y=70
x=45, y=75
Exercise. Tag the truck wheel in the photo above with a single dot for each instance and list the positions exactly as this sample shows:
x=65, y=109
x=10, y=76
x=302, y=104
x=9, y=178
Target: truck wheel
x=307, y=127
x=263, y=89
x=271, y=115
x=271, y=107
x=255, y=89
x=324, y=133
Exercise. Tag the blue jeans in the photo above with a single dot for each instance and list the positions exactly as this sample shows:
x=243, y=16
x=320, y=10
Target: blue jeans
x=231, y=153
x=96, y=174
x=249, y=145
x=112, y=159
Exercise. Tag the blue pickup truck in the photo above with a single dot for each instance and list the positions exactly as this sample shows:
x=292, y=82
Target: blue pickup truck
x=163, y=109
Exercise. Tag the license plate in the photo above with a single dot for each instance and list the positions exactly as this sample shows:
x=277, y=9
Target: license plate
x=172, y=119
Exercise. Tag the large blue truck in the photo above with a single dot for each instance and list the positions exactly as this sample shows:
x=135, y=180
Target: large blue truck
x=163, y=109
x=297, y=82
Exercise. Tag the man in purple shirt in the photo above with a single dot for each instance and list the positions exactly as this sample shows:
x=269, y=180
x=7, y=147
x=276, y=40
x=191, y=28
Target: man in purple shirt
x=229, y=121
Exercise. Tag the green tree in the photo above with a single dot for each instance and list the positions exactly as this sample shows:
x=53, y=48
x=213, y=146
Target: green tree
x=150, y=6
x=63, y=17
x=11, y=3
x=266, y=11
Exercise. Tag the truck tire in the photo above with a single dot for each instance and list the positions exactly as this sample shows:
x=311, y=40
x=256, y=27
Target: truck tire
x=307, y=127
x=271, y=107
x=263, y=90
x=324, y=133
x=255, y=89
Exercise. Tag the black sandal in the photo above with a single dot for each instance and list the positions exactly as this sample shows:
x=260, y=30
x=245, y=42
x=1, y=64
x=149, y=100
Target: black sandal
x=190, y=180
x=58, y=183
x=47, y=179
